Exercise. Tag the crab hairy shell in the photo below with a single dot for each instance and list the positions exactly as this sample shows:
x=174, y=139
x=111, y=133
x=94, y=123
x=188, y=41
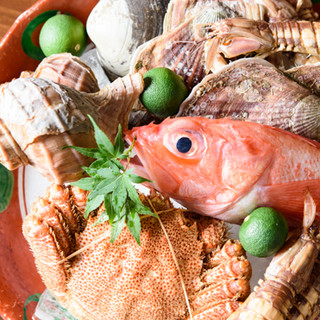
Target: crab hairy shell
x=124, y=280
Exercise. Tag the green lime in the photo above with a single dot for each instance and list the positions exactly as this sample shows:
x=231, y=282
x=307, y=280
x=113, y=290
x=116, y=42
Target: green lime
x=63, y=33
x=263, y=232
x=164, y=91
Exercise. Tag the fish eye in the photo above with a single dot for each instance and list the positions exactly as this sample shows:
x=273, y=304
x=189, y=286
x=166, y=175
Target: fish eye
x=184, y=144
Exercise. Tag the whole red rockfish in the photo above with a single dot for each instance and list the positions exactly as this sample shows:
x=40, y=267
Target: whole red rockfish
x=225, y=169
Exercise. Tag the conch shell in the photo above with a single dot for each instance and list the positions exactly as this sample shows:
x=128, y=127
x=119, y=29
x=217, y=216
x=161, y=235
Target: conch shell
x=252, y=89
x=118, y=27
x=39, y=117
x=66, y=69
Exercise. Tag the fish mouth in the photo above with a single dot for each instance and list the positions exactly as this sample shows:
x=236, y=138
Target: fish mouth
x=138, y=167
x=136, y=161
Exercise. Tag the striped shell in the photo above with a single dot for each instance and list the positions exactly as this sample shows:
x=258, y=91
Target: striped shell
x=39, y=117
x=180, y=11
x=66, y=69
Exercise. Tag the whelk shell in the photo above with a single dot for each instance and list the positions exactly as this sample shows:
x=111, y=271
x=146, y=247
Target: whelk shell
x=118, y=27
x=254, y=90
x=39, y=117
x=66, y=69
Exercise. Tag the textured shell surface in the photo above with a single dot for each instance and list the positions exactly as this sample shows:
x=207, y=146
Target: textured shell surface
x=33, y=107
x=181, y=50
x=6, y=187
x=118, y=27
x=69, y=70
x=270, y=10
x=125, y=281
x=254, y=90
x=308, y=76
x=39, y=117
x=210, y=11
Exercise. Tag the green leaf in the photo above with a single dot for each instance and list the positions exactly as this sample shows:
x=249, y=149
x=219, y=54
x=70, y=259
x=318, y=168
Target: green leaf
x=134, y=225
x=105, y=187
x=103, y=142
x=143, y=210
x=132, y=192
x=107, y=173
x=135, y=178
x=101, y=163
x=90, y=171
x=103, y=218
x=110, y=182
x=93, y=204
x=88, y=152
x=116, y=228
x=84, y=183
x=33, y=298
x=119, y=143
x=119, y=196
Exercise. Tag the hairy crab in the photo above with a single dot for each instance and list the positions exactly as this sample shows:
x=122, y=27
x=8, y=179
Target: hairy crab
x=127, y=281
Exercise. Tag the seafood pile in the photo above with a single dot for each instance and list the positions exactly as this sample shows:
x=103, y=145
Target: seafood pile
x=127, y=281
x=254, y=61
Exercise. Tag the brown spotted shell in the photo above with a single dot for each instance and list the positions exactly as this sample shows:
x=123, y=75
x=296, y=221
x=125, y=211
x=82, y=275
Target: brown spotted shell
x=254, y=90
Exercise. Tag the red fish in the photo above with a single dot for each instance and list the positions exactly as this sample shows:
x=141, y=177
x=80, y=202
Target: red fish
x=225, y=169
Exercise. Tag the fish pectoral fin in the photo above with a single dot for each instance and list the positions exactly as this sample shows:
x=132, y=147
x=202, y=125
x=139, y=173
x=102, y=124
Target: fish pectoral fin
x=245, y=162
x=288, y=198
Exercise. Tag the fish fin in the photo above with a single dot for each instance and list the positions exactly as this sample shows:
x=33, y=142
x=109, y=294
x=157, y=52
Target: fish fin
x=288, y=198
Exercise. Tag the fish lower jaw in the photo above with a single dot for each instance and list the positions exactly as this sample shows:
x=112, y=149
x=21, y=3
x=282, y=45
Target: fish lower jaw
x=241, y=208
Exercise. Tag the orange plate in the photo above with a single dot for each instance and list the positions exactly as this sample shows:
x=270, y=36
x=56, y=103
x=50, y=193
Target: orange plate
x=12, y=58
x=18, y=276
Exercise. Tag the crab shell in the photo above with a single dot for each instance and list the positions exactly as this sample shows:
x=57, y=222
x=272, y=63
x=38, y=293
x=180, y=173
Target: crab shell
x=126, y=281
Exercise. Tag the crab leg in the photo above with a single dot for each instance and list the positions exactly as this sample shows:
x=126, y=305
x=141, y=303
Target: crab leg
x=287, y=275
x=51, y=231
